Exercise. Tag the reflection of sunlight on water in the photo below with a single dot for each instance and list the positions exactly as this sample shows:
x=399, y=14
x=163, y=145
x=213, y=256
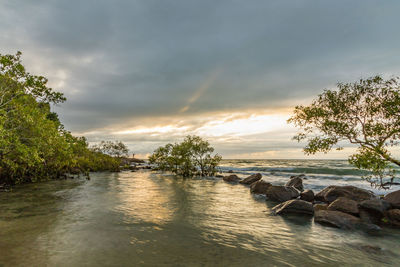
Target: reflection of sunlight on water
x=232, y=220
x=230, y=215
x=144, y=199
x=144, y=218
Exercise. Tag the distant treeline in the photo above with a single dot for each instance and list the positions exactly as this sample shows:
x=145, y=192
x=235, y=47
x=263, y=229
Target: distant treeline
x=34, y=145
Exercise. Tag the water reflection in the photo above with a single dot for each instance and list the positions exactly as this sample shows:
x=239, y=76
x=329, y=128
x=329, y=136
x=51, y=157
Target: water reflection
x=144, y=198
x=151, y=219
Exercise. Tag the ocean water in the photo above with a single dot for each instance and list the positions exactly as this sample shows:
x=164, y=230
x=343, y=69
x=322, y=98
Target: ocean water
x=320, y=173
x=148, y=218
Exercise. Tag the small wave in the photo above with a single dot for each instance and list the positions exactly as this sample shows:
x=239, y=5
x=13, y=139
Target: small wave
x=294, y=170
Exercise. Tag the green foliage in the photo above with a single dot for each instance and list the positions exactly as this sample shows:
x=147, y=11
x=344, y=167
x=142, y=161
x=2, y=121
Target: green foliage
x=33, y=143
x=365, y=113
x=191, y=157
x=114, y=149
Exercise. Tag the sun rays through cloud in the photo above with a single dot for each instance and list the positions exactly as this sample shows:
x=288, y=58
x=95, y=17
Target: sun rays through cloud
x=201, y=90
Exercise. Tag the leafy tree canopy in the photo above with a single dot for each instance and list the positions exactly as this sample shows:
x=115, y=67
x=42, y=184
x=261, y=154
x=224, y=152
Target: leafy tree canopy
x=34, y=145
x=365, y=113
x=112, y=148
x=191, y=157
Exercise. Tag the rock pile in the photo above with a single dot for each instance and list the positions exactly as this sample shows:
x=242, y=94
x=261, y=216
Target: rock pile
x=346, y=207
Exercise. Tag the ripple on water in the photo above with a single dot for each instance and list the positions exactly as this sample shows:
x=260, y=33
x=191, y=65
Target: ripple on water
x=148, y=219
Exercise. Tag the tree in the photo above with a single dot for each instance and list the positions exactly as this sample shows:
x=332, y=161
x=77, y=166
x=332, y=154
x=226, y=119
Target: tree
x=191, y=157
x=34, y=145
x=365, y=113
x=112, y=148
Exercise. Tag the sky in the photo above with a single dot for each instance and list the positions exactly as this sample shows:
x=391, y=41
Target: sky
x=150, y=72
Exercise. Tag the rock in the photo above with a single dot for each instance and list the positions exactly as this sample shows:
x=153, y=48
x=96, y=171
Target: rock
x=336, y=219
x=230, y=171
x=259, y=187
x=307, y=195
x=371, y=249
x=251, y=179
x=345, y=205
x=282, y=193
x=296, y=182
x=368, y=218
x=133, y=168
x=331, y=193
x=219, y=176
x=373, y=210
x=320, y=196
x=394, y=199
x=294, y=206
x=231, y=178
x=394, y=217
x=320, y=207
x=302, y=176
x=377, y=205
x=370, y=228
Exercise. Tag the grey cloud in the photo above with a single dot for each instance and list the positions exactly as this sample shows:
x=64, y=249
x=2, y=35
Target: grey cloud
x=127, y=60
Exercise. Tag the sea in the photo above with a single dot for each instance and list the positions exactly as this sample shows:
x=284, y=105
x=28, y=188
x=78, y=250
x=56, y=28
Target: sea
x=148, y=218
x=319, y=173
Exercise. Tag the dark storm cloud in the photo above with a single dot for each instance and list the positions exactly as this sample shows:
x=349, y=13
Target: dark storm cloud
x=120, y=60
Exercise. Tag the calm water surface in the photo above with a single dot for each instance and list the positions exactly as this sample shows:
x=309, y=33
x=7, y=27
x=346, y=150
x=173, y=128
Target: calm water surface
x=150, y=219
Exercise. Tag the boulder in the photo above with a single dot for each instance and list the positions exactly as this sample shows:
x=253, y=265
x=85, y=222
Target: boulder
x=331, y=193
x=345, y=205
x=259, y=187
x=282, y=193
x=251, y=179
x=394, y=199
x=394, y=217
x=307, y=195
x=320, y=207
x=231, y=178
x=294, y=206
x=373, y=210
x=336, y=219
x=376, y=205
x=296, y=182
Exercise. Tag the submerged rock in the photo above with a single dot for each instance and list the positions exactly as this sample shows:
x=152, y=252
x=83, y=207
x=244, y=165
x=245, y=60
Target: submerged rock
x=296, y=182
x=231, y=178
x=331, y=193
x=336, y=219
x=259, y=187
x=394, y=217
x=307, y=195
x=294, y=206
x=370, y=249
x=393, y=198
x=344, y=204
x=282, y=193
x=251, y=179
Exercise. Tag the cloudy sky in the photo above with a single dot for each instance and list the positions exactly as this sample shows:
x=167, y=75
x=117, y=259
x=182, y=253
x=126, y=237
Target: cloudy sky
x=152, y=71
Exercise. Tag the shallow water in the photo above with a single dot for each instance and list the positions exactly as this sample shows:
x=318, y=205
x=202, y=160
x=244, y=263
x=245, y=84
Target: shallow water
x=150, y=219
